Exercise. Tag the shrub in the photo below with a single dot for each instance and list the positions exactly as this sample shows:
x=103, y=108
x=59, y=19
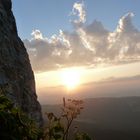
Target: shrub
x=59, y=127
x=14, y=124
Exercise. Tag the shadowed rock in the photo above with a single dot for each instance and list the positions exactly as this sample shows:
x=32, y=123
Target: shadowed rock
x=16, y=75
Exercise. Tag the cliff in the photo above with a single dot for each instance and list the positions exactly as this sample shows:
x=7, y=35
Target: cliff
x=16, y=75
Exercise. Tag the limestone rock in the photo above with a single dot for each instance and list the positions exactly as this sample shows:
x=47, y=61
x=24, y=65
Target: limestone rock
x=16, y=75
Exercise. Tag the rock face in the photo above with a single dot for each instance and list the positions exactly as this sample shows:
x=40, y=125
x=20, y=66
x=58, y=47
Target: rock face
x=16, y=75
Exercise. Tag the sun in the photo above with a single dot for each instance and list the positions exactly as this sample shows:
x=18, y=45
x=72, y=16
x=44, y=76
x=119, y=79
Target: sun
x=70, y=78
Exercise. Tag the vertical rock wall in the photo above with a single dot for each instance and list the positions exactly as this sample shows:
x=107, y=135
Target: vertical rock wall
x=16, y=75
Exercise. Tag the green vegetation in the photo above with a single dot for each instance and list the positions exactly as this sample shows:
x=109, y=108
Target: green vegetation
x=16, y=125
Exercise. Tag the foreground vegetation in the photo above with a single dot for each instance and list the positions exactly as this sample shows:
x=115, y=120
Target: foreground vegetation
x=16, y=125
x=58, y=128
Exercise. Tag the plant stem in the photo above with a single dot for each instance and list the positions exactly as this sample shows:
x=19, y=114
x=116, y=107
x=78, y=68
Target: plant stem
x=66, y=133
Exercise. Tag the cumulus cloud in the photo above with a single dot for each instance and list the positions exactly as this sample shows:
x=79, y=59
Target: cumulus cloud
x=79, y=10
x=88, y=45
x=125, y=40
x=37, y=34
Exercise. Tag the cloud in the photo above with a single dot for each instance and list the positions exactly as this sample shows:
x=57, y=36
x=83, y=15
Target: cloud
x=37, y=34
x=79, y=10
x=111, y=87
x=120, y=79
x=87, y=45
x=125, y=41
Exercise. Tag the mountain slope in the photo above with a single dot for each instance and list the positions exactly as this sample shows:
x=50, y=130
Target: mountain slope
x=109, y=118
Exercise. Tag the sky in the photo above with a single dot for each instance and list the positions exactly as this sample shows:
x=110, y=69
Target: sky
x=81, y=42
x=51, y=15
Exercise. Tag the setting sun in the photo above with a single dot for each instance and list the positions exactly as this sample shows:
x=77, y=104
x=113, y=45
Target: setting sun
x=70, y=78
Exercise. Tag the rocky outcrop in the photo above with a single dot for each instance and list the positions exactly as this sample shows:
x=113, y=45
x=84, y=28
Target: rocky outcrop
x=16, y=75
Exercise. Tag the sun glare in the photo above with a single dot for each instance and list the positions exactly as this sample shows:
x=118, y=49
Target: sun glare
x=70, y=78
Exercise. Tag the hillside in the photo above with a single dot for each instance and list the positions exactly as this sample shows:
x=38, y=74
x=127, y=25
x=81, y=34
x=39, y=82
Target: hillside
x=108, y=118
